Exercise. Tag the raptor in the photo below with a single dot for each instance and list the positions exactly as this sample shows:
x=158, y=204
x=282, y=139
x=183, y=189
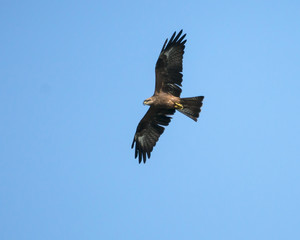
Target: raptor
x=166, y=98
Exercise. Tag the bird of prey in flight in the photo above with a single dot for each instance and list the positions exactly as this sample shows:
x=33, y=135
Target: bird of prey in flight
x=166, y=98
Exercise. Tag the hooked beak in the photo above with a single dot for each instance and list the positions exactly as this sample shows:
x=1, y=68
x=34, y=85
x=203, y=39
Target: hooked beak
x=144, y=103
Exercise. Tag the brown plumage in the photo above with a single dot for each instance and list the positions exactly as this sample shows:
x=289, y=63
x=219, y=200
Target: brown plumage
x=166, y=98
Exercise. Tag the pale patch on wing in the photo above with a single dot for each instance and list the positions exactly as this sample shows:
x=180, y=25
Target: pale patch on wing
x=141, y=139
x=167, y=53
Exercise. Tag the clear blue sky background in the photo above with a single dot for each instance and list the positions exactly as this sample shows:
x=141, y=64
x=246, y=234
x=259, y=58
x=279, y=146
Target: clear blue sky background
x=73, y=76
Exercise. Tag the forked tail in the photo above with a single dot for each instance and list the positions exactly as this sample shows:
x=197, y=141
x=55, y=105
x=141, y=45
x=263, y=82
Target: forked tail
x=191, y=107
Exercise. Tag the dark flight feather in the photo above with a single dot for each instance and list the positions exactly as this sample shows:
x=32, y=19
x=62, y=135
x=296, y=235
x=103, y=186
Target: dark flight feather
x=149, y=130
x=169, y=66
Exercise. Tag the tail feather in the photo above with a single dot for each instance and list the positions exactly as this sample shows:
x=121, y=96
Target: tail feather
x=191, y=107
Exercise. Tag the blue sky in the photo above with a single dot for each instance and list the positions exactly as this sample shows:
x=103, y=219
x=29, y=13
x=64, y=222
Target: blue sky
x=73, y=76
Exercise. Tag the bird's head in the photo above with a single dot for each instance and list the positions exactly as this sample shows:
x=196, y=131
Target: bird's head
x=148, y=101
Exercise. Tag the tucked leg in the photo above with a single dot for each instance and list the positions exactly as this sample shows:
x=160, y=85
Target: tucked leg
x=178, y=106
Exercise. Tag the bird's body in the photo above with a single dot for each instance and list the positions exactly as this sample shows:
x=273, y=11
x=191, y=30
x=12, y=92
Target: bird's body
x=163, y=100
x=166, y=98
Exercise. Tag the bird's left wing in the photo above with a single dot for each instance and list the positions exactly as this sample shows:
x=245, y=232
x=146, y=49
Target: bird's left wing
x=149, y=130
x=168, y=67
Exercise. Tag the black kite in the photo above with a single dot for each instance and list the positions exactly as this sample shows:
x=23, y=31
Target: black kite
x=166, y=98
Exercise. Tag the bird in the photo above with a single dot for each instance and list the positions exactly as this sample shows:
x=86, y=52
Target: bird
x=166, y=98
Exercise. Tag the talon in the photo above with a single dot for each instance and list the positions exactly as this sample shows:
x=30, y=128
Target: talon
x=178, y=106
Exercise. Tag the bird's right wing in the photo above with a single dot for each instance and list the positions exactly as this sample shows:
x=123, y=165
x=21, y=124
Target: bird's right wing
x=149, y=130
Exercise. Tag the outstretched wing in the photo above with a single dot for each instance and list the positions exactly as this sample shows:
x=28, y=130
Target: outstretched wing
x=149, y=130
x=169, y=66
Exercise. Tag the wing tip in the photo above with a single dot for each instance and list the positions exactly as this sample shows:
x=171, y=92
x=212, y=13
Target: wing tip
x=175, y=39
x=142, y=155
